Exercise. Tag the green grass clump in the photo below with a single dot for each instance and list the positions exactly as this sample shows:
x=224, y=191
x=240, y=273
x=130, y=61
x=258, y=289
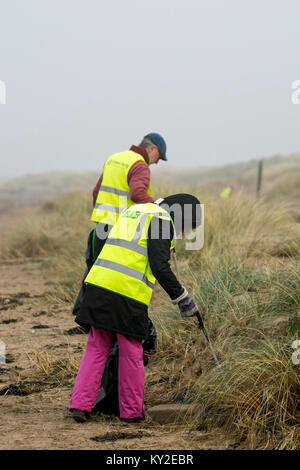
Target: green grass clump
x=255, y=394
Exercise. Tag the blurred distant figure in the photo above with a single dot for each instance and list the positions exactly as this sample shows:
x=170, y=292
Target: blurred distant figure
x=226, y=192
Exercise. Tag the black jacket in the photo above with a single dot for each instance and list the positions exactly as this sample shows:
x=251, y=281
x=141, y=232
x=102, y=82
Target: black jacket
x=110, y=311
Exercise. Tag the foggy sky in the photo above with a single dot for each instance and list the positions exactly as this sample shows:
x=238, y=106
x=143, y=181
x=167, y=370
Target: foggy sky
x=88, y=78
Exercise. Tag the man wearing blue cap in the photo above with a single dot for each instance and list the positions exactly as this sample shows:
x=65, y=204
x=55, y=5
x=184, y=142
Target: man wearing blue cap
x=125, y=181
x=152, y=149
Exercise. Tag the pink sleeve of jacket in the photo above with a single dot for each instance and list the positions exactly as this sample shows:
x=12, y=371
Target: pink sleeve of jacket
x=138, y=179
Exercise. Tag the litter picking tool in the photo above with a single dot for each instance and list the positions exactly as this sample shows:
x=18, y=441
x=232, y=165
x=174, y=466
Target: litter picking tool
x=199, y=318
x=201, y=326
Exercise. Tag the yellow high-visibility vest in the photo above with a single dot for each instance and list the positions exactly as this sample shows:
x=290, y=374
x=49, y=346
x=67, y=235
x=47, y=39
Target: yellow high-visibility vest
x=114, y=192
x=123, y=265
x=226, y=192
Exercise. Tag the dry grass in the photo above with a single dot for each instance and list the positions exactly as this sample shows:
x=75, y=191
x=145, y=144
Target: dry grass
x=51, y=228
x=256, y=393
x=47, y=370
x=47, y=367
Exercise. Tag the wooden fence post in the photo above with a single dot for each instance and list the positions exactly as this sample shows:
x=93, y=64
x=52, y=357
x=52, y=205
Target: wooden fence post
x=259, y=177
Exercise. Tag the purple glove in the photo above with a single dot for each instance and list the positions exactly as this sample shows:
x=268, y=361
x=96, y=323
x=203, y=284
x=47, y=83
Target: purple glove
x=186, y=304
x=187, y=307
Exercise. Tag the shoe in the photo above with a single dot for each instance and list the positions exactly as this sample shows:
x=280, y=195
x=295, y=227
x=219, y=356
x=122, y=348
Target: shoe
x=132, y=420
x=80, y=416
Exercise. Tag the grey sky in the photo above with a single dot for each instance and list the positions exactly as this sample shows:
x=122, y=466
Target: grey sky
x=87, y=78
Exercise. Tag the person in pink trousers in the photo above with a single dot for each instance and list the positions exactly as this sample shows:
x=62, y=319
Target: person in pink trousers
x=130, y=374
x=118, y=291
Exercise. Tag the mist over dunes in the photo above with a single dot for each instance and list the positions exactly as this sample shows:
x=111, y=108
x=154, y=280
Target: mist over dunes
x=281, y=177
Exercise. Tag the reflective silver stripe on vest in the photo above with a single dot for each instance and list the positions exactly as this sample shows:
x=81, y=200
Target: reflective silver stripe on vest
x=138, y=232
x=120, y=268
x=108, y=208
x=133, y=246
x=160, y=214
x=142, y=221
x=109, y=189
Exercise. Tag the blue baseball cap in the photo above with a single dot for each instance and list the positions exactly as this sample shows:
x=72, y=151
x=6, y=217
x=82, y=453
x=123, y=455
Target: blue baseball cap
x=160, y=143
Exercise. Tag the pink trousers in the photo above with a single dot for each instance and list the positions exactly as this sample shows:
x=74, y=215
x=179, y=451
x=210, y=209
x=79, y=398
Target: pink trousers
x=131, y=373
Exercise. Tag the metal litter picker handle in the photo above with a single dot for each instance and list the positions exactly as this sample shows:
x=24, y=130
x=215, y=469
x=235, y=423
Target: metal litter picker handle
x=198, y=316
x=201, y=326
